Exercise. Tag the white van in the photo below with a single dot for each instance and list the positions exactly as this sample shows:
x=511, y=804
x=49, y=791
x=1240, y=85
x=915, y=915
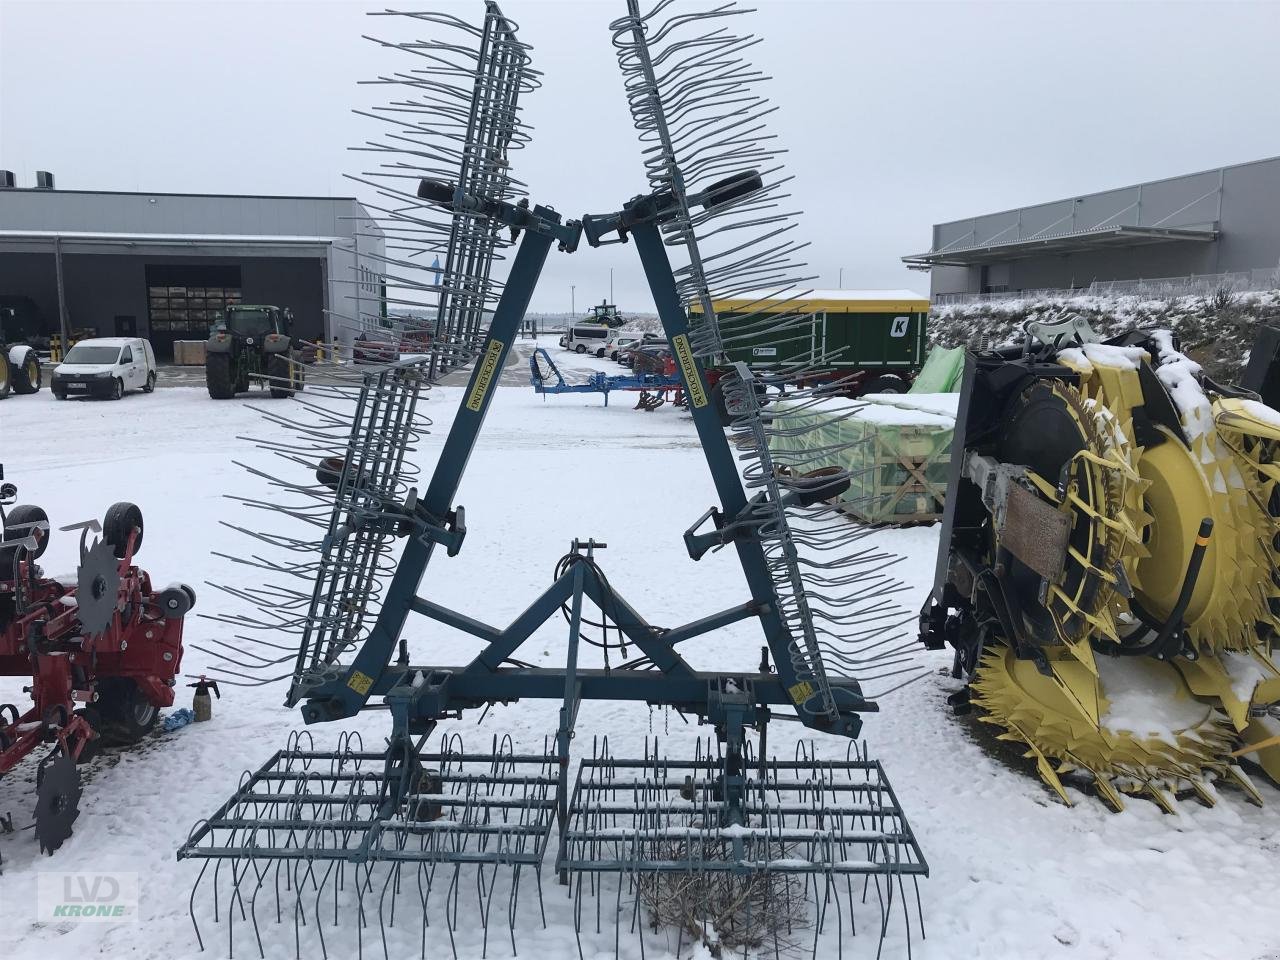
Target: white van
x=591, y=338
x=105, y=367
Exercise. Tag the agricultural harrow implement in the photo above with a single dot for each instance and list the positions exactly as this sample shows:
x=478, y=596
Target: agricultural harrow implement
x=102, y=653
x=648, y=385
x=1107, y=572
x=729, y=847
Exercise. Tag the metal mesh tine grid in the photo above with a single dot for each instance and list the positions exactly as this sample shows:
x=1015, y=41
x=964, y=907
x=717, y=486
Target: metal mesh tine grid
x=697, y=104
x=309, y=837
x=347, y=447
x=452, y=115
x=814, y=826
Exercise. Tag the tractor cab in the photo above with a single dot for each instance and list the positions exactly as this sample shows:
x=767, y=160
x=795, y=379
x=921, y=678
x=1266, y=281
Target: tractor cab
x=606, y=313
x=254, y=322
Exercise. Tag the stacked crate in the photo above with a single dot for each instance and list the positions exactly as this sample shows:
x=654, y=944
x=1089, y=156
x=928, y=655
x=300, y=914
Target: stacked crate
x=896, y=448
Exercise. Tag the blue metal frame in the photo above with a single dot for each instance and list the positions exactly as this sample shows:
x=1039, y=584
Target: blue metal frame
x=597, y=382
x=419, y=696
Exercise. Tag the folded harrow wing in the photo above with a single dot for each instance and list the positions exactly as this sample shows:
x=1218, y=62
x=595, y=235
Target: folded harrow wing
x=102, y=653
x=725, y=847
x=1107, y=572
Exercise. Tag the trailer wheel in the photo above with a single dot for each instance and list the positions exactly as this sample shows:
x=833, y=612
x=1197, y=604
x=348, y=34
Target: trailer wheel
x=174, y=603
x=127, y=714
x=6, y=378
x=21, y=515
x=120, y=521
x=25, y=370
x=280, y=375
x=217, y=376
x=887, y=383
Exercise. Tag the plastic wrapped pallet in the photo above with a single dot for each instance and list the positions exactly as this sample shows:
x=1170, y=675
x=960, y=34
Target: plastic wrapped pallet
x=941, y=371
x=896, y=448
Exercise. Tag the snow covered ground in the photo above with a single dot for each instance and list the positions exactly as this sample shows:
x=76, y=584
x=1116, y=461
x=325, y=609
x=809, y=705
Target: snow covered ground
x=1014, y=873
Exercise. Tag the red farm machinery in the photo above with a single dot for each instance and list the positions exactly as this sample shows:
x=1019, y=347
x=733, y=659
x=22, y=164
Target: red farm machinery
x=102, y=652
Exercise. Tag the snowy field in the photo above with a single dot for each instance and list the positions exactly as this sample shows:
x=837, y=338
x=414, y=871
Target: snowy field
x=1015, y=875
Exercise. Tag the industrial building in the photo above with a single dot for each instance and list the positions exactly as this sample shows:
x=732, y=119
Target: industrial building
x=1225, y=220
x=164, y=265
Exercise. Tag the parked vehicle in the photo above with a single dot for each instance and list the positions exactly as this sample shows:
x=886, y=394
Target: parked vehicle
x=873, y=341
x=19, y=365
x=594, y=338
x=252, y=341
x=623, y=340
x=626, y=351
x=105, y=367
x=607, y=314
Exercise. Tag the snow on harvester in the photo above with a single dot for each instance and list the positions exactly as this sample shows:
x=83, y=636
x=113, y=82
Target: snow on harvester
x=1107, y=572
x=731, y=847
x=102, y=653
x=652, y=387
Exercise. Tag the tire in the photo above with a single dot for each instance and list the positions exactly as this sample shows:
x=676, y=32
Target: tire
x=175, y=603
x=120, y=521
x=25, y=513
x=117, y=389
x=6, y=376
x=150, y=385
x=127, y=714
x=280, y=371
x=26, y=372
x=719, y=403
x=580, y=348
x=885, y=383
x=191, y=594
x=217, y=376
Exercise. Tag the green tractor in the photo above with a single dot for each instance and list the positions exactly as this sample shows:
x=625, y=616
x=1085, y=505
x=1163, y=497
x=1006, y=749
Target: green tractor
x=251, y=341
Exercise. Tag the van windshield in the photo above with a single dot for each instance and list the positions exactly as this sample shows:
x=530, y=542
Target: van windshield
x=88, y=353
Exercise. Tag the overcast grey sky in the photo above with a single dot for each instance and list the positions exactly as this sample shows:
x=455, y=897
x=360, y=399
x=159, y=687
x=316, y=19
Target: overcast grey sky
x=897, y=115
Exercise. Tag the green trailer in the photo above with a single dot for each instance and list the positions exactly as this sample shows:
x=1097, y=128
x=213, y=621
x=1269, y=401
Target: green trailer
x=875, y=338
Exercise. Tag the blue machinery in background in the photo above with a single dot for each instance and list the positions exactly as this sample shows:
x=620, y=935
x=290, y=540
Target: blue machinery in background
x=745, y=833
x=598, y=382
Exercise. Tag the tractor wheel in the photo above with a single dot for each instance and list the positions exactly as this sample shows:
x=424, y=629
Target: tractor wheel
x=120, y=521
x=217, y=375
x=280, y=375
x=888, y=383
x=150, y=385
x=126, y=712
x=21, y=515
x=6, y=378
x=117, y=389
x=25, y=370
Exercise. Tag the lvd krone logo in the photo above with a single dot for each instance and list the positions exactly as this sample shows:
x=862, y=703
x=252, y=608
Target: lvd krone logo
x=88, y=896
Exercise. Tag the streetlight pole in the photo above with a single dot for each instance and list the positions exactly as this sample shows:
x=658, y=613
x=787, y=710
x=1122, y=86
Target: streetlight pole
x=573, y=302
x=611, y=284
x=840, y=283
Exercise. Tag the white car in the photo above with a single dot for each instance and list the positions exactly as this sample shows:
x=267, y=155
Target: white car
x=105, y=367
x=593, y=338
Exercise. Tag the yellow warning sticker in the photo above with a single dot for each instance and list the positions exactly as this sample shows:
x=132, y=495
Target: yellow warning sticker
x=488, y=367
x=800, y=692
x=690, y=370
x=360, y=682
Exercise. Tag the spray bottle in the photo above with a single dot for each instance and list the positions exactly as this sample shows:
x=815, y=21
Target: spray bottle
x=201, y=703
